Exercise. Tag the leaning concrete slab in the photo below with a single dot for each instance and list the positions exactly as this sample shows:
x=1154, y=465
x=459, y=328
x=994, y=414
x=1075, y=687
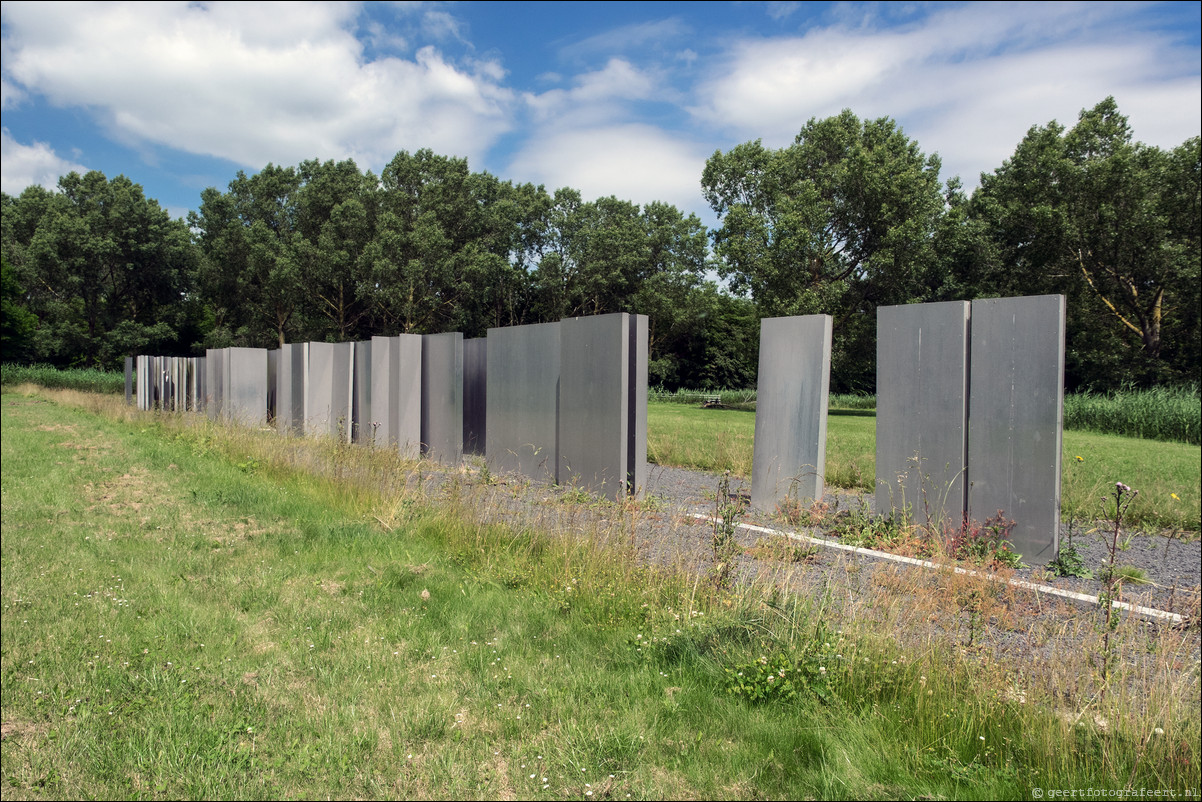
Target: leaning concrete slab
x=1015, y=419
x=522, y=388
x=442, y=397
x=598, y=363
x=475, y=395
x=789, y=456
x=922, y=411
x=129, y=379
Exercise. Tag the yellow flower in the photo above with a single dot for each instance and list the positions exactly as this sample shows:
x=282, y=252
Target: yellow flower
x=1174, y=495
x=1080, y=458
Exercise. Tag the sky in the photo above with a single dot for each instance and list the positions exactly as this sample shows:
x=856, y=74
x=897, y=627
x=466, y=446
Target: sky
x=624, y=99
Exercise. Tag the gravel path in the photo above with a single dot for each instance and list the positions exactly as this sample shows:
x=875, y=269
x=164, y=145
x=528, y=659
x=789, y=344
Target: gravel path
x=666, y=531
x=1173, y=566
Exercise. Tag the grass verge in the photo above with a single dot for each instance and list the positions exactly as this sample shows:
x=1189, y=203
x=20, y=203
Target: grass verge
x=193, y=611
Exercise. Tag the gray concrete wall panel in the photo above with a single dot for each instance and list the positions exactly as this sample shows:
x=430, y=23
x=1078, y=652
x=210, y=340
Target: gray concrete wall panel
x=141, y=390
x=594, y=403
x=407, y=388
x=129, y=379
x=636, y=447
x=522, y=388
x=442, y=397
x=922, y=411
x=382, y=426
x=246, y=386
x=361, y=411
x=215, y=381
x=475, y=395
x=396, y=392
x=328, y=389
x=1015, y=418
x=290, y=389
x=273, y=383
x=789, y=456
x=201, y=378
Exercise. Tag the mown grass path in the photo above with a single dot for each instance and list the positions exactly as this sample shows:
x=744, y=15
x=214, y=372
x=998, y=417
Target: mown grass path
x=183, y=617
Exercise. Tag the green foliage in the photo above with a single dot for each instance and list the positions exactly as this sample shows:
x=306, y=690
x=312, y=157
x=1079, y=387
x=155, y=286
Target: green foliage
x=784, y=676
x=1112, y=224
x=1069, y=563
x=106, y=272
x=838, y=222
x=17, y=323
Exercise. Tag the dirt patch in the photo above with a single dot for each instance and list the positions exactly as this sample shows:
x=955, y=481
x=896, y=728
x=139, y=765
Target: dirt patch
x=21, y=729
x=130, y=492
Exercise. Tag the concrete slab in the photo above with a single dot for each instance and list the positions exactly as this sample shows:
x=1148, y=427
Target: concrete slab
x=789, y=457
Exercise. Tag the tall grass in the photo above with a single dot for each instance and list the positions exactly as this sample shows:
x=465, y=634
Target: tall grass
x=89, y=380
x=1173, y=414
x=1158, y=413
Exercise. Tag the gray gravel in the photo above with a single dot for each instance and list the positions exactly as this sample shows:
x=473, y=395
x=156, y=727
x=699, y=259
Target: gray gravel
x=667, y=532
x=1172, y=565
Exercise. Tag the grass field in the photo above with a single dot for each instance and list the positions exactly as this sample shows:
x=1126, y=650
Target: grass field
x=1168, y=475
x=186, y=613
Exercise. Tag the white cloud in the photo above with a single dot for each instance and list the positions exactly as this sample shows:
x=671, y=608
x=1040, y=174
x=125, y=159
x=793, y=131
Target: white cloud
x=630, y=161
x=252, y=83
x=596, y=94
x=23, y=166
x=967, y=82
x=637, y=36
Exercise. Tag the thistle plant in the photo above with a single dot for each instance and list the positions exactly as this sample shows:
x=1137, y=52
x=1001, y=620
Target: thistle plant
x=727, y=509
x=1123, y=496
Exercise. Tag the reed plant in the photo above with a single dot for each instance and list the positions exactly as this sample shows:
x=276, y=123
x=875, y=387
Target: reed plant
x=1158, y=413
x=92, y=380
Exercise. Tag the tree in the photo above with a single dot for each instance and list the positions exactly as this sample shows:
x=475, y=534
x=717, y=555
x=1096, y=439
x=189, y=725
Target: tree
x=1111, y=223
x=839, y=222
x=105, y=270
x=251, y=275
x=17, y=323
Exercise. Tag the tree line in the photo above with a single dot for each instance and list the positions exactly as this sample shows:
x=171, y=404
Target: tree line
x=851, y=216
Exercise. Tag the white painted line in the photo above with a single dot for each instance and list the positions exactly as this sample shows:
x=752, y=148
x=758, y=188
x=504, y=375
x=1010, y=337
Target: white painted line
x=1150, y=612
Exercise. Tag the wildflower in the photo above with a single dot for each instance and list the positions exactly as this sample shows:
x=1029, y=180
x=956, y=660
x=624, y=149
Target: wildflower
x=1175, y=496
x=1080, y=458
x=1158, y=732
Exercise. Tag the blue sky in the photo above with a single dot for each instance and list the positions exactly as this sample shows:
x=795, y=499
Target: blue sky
x=625, y=99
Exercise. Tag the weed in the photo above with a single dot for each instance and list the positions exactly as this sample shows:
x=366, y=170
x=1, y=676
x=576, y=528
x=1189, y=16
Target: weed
x=1069, y=563
x=728, y=507
x=985, y=543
